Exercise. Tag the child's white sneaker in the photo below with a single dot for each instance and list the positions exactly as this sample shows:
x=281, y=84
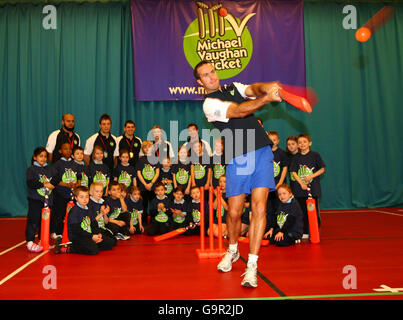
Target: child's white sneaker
x=121, y=236
x=33, y=247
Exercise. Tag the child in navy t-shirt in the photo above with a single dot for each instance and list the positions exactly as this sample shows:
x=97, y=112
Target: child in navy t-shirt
x=135, y=209
x=99, y=171
x=218, y=164
x=223, y=211
x=161, y=215
x=124, y=172
x=83, y=230
x=147, y=175
x=181, y=216
x=280, y=169
x=81, y=167
x=98, y=210
x=66, y=180
x=39, y=178
x=286, y=225
x=201, y=172
x=119, y=218
x=306, y=168
x=182, y=171
x=166, y=177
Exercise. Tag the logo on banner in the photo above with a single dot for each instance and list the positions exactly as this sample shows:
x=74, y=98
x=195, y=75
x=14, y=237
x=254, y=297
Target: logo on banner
x=220, y=38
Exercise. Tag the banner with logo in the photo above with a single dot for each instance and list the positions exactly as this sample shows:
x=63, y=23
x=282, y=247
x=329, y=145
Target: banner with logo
x=246, y=41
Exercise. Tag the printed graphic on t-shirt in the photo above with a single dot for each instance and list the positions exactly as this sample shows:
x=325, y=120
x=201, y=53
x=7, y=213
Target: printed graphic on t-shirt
x=42, y=191
x=100, y=177
x=281, y=219
x=69, y=176
x=86, y=224
x=276, y=168
x=115, y=214
x=182, y=176
x=84, y=180
x=179, y=219
x=304, y=171
x=196, y=215
x=101, y=222
x=134, y=215
x=218, y=171
x=200, y=171
x=125, y=178
x=161, y=217
x=148, y=172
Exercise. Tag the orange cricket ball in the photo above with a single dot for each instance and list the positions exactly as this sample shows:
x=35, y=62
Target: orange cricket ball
x=223, y=12
x=363, y=34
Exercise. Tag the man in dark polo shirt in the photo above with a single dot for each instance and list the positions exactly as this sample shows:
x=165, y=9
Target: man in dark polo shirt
x=230, y=109
x=130, y=142
x=193, y=133
x=58, y=137
x=106, y=140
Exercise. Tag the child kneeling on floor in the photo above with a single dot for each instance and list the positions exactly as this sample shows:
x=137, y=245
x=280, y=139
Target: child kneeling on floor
x=82, y=227
x=286, y=225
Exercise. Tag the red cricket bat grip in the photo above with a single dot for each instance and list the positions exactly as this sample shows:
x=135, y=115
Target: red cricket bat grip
x=296, y=101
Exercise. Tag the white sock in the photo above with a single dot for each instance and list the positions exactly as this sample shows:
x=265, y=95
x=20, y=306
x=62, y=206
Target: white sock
x=252, y=258
x=233, y=247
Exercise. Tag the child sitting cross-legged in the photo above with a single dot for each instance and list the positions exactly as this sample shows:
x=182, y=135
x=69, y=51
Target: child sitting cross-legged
x=83, y=230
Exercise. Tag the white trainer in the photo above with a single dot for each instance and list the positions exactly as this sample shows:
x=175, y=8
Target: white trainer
x=250, y=279
x=226, y=262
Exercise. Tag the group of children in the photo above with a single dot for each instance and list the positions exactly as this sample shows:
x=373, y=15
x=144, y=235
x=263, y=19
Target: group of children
x=158, y=197
x=302, y=167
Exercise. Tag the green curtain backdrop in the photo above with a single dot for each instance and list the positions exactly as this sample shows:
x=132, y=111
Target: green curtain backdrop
x=85, y=67
x=357, y=123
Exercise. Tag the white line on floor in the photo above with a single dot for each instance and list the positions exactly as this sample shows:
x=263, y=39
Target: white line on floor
x=12, y=248
x=12, y=274
x=391, y=213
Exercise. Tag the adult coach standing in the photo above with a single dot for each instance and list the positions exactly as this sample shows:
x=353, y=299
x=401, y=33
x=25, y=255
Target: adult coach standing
x=130, y=142
x=58, y=137
x=106, y=140
x=193, y=133
x=230, y=109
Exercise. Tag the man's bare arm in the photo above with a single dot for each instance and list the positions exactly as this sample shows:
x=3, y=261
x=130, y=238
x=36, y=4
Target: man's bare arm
x=259, y=89
x=248, y=107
